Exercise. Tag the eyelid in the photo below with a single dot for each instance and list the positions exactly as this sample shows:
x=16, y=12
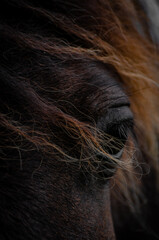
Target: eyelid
x=114, y=116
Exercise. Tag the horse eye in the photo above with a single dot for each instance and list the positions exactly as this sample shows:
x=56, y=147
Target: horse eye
x=117, y=127
x=118, y=136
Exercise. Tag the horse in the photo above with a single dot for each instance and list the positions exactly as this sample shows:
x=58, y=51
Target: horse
x=79, y=120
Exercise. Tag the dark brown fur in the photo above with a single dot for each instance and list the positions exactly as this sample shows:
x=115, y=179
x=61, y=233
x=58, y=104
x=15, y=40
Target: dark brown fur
x=64, y=65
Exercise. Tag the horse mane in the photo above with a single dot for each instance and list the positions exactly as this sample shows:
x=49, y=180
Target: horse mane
x=42, y=40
